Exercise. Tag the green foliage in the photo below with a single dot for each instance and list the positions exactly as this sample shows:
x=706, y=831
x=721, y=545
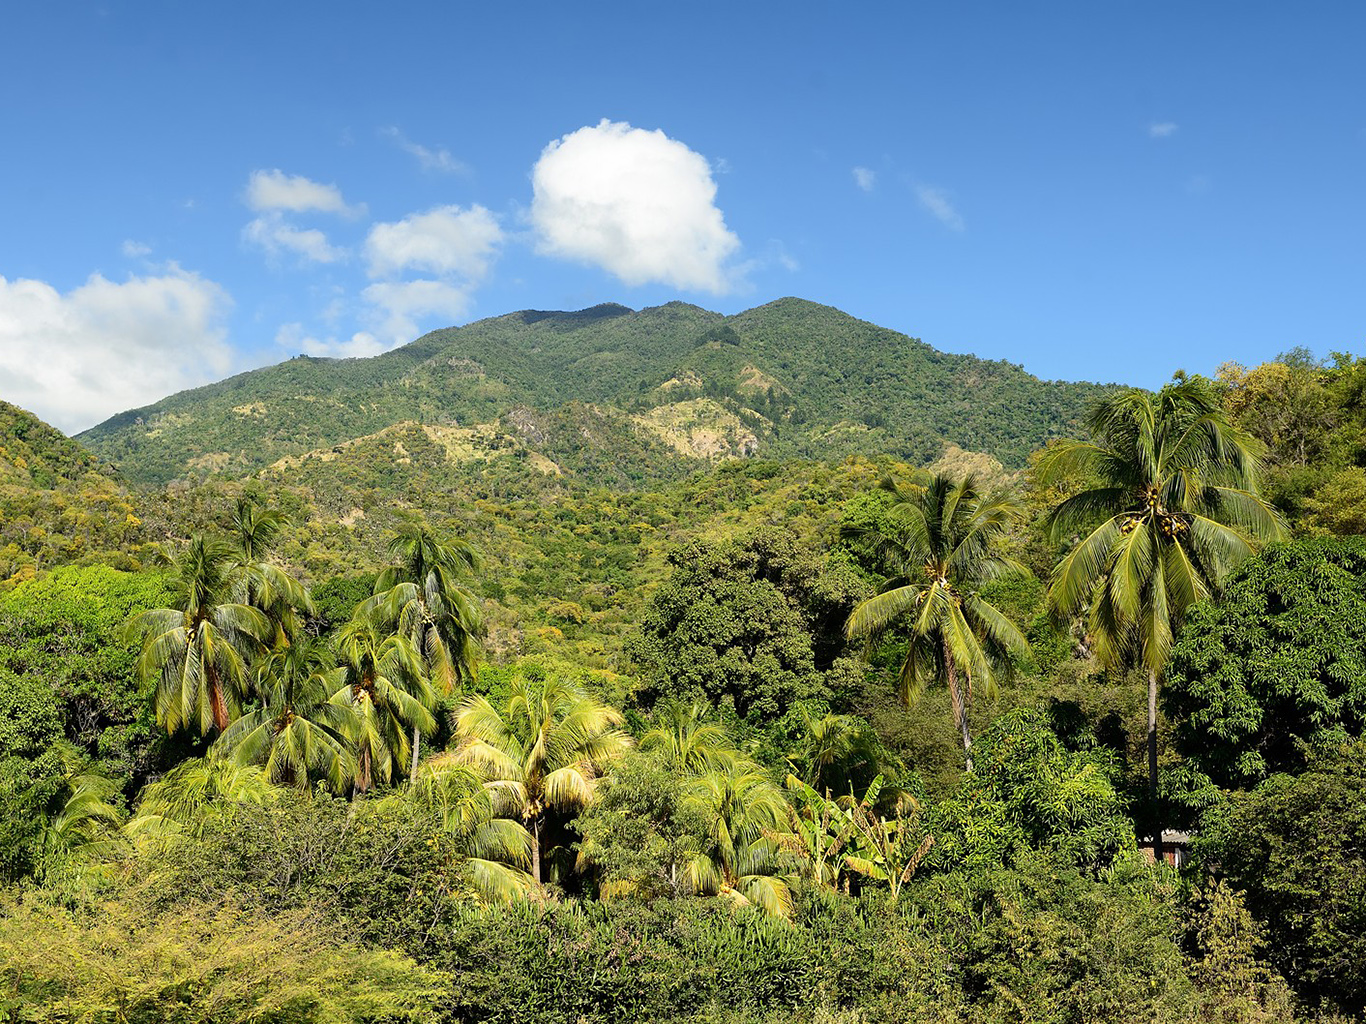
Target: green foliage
x=750, y=626
x=1296, y=845
x=1028, y=792
x=557, y=382
x=1277, y=667
x=198, y=964
x=62, y=633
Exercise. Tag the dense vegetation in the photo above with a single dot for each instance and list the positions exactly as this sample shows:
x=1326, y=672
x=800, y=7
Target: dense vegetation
x=398, y=732
x=612, y=396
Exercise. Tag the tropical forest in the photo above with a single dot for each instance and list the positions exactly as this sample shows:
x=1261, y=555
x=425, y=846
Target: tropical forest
x=669, y=666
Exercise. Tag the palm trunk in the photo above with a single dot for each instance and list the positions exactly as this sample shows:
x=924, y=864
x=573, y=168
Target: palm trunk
x=536, y=849
x=412, y=772
x=1152, y=766
x=960, y=707
x=217, y=704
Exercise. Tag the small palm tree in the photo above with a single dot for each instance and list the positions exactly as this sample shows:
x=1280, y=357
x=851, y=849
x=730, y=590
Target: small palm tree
x=423, y=598
x=497, y=851
x=941, y=552
x=388, y=692
x=1169, y=508
x=197, y=652
x=194, y=793
x=296, y=730
x=742, y=855
x=543, y=750
x=686, y=741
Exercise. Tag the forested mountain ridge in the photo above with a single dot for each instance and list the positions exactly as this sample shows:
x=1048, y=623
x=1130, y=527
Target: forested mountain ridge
x=34, y=453
x=676, y=384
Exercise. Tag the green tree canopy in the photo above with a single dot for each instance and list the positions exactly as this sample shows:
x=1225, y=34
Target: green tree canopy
x=1277, y=666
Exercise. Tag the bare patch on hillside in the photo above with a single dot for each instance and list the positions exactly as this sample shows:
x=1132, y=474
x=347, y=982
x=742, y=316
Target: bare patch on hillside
x=701, y=428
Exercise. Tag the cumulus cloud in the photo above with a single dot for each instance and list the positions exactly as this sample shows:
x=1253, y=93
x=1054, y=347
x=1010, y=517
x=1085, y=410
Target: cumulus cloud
x=77, y=358
x=1162, y=129
x=360, y=345
x=428, y=159
x=636, y=203
x=864, y=178
x=399, y=305
x=447, y=240
x=277, y=237
x=276, y=190
x=937, y=202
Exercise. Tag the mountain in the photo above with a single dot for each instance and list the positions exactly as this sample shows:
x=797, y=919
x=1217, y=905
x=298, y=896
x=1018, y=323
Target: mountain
x=610, y=395
x=35, y=454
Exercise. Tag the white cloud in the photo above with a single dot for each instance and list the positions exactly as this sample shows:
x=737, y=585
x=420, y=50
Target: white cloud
x=276, y=236
x=447, y=240
x=359, y=346
x=77, y=358
x=1162, y=129
x=276, y=190
x=428, y=159
x=636, y=203
x=864, y=178
x=937, y=202
x=135, y=250
x=399, y=305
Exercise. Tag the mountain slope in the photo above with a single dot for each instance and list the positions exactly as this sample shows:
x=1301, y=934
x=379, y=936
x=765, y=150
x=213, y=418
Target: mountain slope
x=33, y=453
x=671, y=386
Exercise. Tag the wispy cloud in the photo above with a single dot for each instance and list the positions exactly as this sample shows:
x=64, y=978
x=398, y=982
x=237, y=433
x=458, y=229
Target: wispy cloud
x=937, y=202
x=135, y=250
x=865, y=179
x=428, y=159
x=1162, y=129
x=276, y=190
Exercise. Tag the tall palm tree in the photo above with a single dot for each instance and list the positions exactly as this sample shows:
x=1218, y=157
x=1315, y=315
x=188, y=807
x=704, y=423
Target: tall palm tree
x=688, y=742
x=422, y=597
x=296, y=730
x=742, y=854
x=264, y=584
x=388, y=692
x=197, y=652
x=941, y=550
x=1168, y=508
x=543, y=750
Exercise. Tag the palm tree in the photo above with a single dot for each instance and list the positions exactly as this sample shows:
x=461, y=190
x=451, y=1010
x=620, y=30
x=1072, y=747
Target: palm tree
x=388, y=692
x=296, y=730
x=544, y=750
x=194, y=793
x=687, y=742
x=496, y=851
x=264, y=584
x=741, y=855
x=197, y=652
x=1171, y=506
x=422, y=597
x=941, y=551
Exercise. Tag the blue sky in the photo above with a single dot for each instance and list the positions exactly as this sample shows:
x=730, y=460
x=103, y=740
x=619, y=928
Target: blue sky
x=1103, y=191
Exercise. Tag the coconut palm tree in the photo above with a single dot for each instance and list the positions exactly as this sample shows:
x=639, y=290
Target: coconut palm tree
x=422, y=598
x=191, y=795
x=388, y=692
x=296, y=730
x=197, y=652
x=1169, y=506
x=941, y=550
x=264, y=584
x=742, y=854
x=543, y=750
x=686, y=741
x=497, y=851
